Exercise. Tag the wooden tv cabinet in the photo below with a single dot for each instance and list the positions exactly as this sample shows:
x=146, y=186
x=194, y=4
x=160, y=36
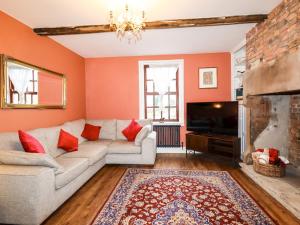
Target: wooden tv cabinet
x=214, y=143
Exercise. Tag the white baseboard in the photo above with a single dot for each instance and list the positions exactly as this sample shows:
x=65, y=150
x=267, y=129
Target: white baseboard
x=171, y=150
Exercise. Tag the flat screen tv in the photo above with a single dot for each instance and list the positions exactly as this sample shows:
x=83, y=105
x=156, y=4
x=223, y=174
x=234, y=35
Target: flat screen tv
x=213, y=117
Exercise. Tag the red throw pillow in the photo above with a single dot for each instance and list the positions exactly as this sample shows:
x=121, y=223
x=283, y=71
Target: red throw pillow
x=91, y=132
x=132, y=130
x=274, y=154
x=29, y=143
x=67, y=141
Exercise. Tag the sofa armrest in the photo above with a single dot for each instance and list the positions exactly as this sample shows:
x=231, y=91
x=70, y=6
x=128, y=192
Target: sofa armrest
x=26, y=194
x=149, y=148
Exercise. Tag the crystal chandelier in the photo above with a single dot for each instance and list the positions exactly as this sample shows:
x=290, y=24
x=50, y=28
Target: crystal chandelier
x=128, y=23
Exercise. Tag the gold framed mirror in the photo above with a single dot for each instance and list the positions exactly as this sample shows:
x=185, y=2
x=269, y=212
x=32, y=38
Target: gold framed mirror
x=26, y=86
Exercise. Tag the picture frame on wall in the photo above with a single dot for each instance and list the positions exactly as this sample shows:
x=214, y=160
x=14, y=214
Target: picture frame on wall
x=208, y=77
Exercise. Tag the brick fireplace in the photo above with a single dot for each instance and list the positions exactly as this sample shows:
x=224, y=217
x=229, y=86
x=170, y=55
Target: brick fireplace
x=272, y=82
x=272, y=98
x=294, y=149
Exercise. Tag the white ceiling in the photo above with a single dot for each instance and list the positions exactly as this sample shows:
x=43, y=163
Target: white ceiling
x=54, y=13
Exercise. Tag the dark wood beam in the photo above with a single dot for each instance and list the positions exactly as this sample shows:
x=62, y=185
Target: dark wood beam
x=161, y=24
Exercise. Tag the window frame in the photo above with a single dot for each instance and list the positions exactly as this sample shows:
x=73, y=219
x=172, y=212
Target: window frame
x=180, y=87
x=154, y=94
x=35, y=84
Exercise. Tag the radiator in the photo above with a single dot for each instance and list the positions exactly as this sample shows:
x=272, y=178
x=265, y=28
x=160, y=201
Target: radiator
x=168, y=136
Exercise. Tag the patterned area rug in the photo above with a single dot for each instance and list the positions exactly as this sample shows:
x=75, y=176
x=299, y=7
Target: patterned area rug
x=179, y=197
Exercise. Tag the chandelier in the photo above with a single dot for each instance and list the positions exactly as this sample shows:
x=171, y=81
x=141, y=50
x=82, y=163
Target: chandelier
x=128, y=22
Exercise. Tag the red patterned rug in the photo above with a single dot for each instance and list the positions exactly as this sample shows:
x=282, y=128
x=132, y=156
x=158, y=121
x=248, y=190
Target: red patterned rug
x=179, y=197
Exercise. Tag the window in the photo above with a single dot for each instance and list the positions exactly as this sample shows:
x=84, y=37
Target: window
x=161, y=91
x=31, y=93
x=161, y=106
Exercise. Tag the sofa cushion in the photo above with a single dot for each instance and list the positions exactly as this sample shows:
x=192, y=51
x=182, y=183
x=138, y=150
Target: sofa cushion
x=142, y=135
x=12, y=157
x=73, y=167
x=123, y=147
x=30, y=144
x=122, y=124
x=93, y=151
x=10, y=140
x=40, y=135
x=108, y=128
x=100, y=143
x=52, y=136
x=75, y=128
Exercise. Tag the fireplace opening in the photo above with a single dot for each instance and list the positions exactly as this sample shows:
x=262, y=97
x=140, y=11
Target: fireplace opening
x=275, y=123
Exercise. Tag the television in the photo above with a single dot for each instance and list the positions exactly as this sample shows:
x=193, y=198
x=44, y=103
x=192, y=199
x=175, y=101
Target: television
x=213, y=117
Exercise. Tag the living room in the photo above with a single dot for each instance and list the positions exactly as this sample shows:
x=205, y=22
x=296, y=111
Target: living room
x=150, y=112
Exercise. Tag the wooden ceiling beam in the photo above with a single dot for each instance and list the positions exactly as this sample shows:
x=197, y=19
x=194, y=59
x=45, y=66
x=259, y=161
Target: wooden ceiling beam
x=161, y=24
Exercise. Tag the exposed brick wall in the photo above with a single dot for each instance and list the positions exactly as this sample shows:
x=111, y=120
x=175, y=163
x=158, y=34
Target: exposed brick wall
x=294, y=150
x=260, y=115
x=275, y=37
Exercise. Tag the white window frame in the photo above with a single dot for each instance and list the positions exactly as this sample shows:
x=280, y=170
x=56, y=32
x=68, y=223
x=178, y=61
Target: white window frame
x=177, y=62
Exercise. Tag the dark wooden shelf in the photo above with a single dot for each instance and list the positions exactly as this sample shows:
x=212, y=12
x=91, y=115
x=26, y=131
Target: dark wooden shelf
x=224, y=145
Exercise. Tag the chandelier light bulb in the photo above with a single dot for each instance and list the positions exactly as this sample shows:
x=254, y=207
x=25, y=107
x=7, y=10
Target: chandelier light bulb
x=129, y=23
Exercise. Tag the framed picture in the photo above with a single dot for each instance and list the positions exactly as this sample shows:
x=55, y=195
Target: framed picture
x=208, y=78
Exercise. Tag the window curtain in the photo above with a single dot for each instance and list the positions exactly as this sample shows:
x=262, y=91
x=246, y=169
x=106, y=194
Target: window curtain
x=20, y=77
x=162, y=77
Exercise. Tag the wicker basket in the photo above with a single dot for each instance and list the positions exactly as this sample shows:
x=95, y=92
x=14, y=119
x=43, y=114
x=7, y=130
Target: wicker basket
x=268, y=169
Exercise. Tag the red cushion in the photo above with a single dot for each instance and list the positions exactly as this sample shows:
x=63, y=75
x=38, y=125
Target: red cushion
x=29, y=143
x=67, y=141
x=274, y=154
x=259, y=150
x=91, y=132
x=132, y=130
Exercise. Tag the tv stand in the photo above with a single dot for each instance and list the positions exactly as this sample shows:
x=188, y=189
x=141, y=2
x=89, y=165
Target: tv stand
x=225, y=145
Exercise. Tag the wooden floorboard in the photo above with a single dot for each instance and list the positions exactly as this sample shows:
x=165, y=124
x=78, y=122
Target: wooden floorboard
x=84, y=205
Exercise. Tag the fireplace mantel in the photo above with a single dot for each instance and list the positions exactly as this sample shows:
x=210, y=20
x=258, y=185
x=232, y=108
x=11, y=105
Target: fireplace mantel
x=280, y=77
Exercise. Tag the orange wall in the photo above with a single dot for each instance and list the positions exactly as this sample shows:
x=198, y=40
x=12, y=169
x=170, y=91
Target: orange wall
x=111, y=84
x=50, y=89
x=19, y=41
x=112, y=89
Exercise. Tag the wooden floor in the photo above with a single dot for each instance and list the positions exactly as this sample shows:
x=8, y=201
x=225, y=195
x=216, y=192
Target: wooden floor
x=83, y=206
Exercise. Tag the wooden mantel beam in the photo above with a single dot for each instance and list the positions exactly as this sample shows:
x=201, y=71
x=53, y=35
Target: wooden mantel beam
x=161, y=24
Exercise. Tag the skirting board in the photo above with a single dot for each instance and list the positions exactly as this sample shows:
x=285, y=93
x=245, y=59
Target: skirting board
x=171, y=150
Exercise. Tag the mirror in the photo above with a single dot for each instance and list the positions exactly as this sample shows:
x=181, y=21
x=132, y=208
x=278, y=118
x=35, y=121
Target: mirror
x=27, y=86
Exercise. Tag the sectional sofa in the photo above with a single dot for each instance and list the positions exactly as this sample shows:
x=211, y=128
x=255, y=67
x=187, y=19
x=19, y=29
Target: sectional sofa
x=29, y=194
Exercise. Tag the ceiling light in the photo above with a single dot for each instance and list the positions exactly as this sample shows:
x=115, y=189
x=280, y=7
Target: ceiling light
x=128, y=22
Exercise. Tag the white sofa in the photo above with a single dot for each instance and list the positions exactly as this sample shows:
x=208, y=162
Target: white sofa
x=29, y=194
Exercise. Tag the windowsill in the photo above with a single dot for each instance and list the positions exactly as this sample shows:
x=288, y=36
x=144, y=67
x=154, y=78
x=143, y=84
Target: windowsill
x=168, y=123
